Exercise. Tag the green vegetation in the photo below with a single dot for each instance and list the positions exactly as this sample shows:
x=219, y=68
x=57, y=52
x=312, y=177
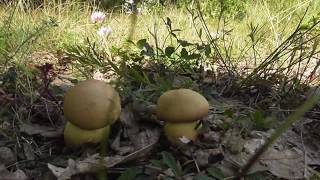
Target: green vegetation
x=263, y=54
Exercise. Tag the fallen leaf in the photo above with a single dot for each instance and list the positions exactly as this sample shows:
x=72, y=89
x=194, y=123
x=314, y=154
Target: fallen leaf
x=204, y=157
x=253, y=145
x=184, y=140
x=63, y=84
x=216, y=172
x=304, y=143
x=95, y=162
x=139, y=134
x=28, y=151
x=233, y=162
x=143, y=138
x=211, y=136
x=127, y=119
x=287, y=164
x=116, y=145
x=184, y=82
x=16, y=175
x=278, y=159
x=171, y=162
x=49, y=132
x=130, y=173
x=7, y=156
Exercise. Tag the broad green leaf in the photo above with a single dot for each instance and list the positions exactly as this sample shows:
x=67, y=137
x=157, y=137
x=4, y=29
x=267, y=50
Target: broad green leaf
x=130, y=173
x=228, y=112
x=207, y=50
x=194, y=56
x=256, y=176
x=158, y=163
x=169, y=22
x=215, y=172
x=257, y=116
x=171, y=162
x=169, y=51
x=141, y=43
x=184, y=53
x=184, y=43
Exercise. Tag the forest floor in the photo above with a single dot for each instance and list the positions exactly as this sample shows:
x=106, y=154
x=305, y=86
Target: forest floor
x=252, y=94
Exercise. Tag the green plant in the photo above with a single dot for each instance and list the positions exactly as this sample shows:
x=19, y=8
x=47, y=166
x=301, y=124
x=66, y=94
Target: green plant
x=130, y=173
x=11, y=46
x=168, y=161
x=260, y=122
x=225, y=8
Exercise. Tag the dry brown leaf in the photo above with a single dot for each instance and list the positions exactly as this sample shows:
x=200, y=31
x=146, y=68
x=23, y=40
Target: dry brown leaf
x=49, y=132
x=287, y=164
x=143, y=138
x=139, y=134
x=62, y=84
x=203, y=156
x=280, y=160
x=233, y=162
x=95, y=162
x=304, y=143
x=211, y=136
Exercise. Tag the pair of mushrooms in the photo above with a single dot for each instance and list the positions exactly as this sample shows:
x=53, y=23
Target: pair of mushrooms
x=92, y=106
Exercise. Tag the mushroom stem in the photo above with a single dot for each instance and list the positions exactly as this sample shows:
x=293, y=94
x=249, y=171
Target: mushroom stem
x=176, y=132
x=75, y=136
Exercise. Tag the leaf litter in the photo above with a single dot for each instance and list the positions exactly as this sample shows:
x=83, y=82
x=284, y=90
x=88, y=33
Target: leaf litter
x=222, y=149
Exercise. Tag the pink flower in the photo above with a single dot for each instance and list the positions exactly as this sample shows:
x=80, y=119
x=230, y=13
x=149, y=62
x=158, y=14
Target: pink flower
x=104, y=31
x=97, y=16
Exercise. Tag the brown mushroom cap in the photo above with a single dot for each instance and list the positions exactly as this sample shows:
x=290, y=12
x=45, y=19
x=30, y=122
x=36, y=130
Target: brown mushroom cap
x=182, y=105
x=92, y=104
x=75, y=136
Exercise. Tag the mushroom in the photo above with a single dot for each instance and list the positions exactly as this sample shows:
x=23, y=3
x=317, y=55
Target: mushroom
x=90, y=107
x=181, y=109
x=75, y=136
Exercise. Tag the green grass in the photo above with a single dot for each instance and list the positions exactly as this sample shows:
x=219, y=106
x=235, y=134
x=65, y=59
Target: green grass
x=246, y=41
x=74, y=24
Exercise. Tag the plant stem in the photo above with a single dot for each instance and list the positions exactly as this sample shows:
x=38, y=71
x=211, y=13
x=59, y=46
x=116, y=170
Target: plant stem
x=294, y=117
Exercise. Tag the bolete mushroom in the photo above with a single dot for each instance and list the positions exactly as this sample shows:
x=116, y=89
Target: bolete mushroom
x=181, y=109
x=90, y=107
x=75, y=136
